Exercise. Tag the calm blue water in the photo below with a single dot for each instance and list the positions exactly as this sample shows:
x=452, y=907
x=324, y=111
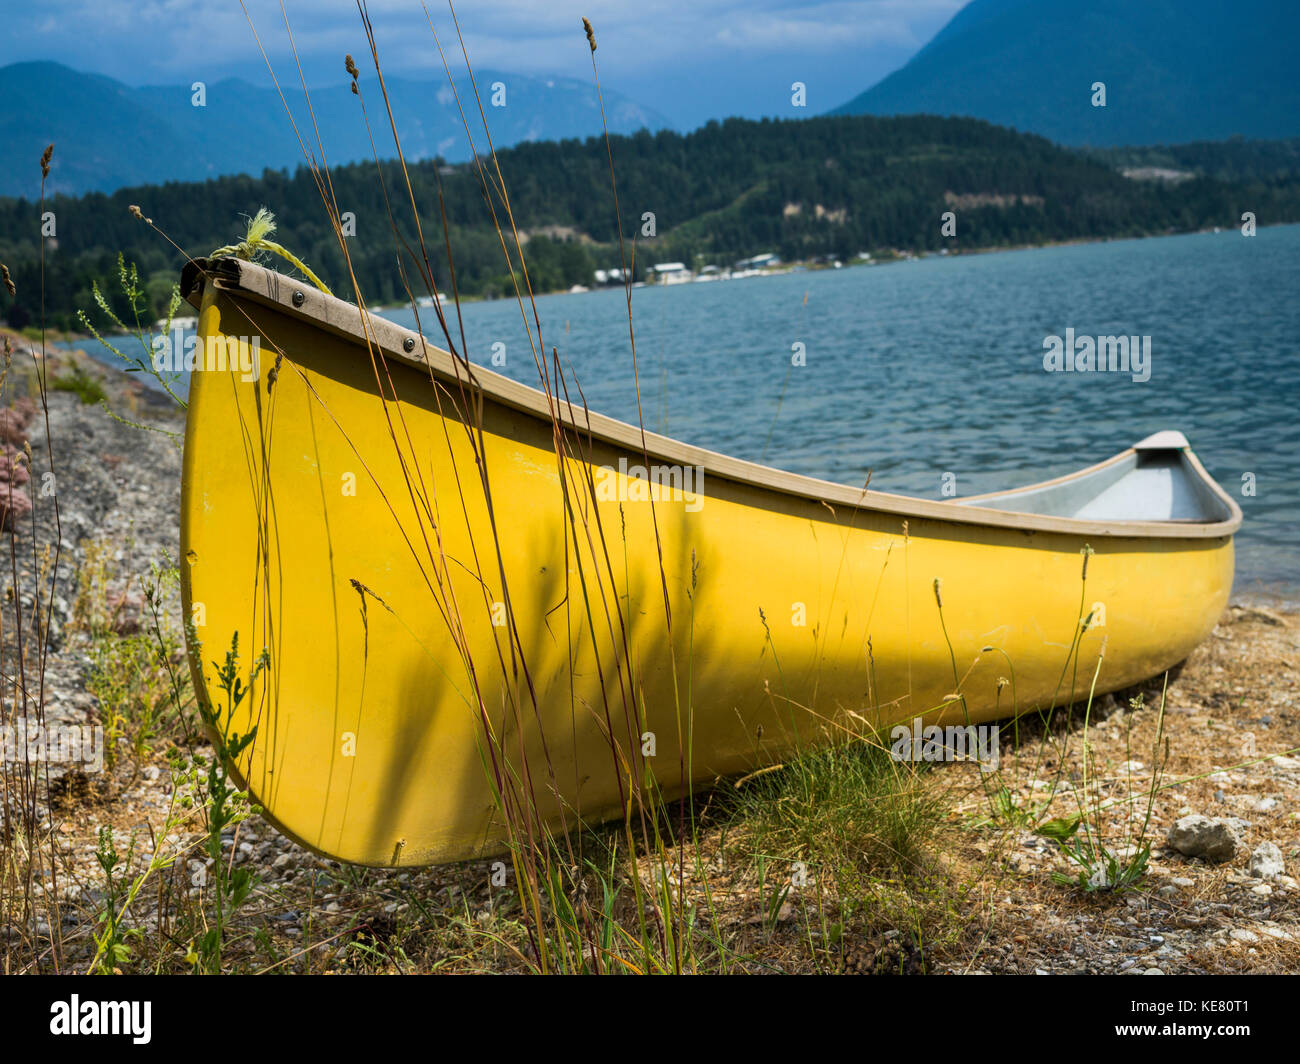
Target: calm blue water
x=935, y=366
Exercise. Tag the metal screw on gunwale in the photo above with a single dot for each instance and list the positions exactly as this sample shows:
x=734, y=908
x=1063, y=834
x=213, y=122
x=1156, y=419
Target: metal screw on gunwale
x=409, y=344
x=298, y=299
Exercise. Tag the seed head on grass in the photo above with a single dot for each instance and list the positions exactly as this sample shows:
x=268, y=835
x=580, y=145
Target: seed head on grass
x=351, y=68
x=45, y=161
x=591, y=34
x=136, y=212
x=8, y=281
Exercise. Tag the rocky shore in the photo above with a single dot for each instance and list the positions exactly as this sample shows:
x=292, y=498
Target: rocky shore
x=90, y=477
x=1220, y=892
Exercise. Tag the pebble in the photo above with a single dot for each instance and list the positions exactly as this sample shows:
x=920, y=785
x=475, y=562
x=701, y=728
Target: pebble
x=1212, y=838
x=1266, y=862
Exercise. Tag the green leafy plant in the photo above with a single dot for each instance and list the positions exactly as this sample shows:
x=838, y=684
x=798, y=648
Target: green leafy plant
x=1099, y=867
x=1081, y=837
x=82, y=385
x=226, y=806
x=112, y=940
x=128, y=277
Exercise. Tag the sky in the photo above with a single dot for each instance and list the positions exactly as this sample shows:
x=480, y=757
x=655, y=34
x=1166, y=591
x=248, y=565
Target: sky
x=691, y=60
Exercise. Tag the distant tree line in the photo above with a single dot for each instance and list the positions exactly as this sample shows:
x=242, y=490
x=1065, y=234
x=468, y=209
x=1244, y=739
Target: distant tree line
x=831, y=186
x=1235, y=159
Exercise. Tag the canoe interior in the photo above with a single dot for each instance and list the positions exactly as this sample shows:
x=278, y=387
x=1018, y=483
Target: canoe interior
x=1143, y=485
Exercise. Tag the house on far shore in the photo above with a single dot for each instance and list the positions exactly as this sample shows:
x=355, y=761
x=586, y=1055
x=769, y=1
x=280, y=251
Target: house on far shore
x=758, y=262
x=671, y=273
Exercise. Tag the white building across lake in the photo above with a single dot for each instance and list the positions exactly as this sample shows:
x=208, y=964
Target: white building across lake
x=758, y=262
x=672, y=273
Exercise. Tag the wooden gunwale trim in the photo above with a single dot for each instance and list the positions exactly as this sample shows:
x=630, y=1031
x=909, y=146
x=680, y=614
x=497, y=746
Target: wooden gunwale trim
x=343, y=319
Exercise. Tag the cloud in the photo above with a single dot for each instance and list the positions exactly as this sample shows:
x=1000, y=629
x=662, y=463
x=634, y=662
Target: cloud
x=694, y=59
x=156, y=38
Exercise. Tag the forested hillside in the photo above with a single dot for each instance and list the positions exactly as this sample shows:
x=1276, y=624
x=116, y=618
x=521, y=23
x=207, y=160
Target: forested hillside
x=822, y=186
x=1236, y=159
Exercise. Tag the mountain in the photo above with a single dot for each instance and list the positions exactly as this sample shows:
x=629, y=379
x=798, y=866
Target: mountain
x=108, y=135
x=1174, y=70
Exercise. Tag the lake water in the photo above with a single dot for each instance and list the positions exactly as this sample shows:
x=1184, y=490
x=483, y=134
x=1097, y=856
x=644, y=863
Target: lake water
x=935, y=366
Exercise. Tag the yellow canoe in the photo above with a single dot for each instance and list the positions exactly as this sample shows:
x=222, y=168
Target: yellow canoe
x=641, y=606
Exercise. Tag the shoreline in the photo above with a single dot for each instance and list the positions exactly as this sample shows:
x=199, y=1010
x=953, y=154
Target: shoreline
x=799, y=266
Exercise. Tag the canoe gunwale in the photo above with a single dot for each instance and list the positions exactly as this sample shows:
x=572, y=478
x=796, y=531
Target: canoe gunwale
x=300, y=300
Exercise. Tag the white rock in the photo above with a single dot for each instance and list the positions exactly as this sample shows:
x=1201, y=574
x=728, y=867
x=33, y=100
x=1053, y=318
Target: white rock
x=1214, y=838
x=1266, y=862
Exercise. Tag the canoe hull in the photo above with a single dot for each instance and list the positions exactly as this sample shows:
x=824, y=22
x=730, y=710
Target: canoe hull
x=714, y=628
